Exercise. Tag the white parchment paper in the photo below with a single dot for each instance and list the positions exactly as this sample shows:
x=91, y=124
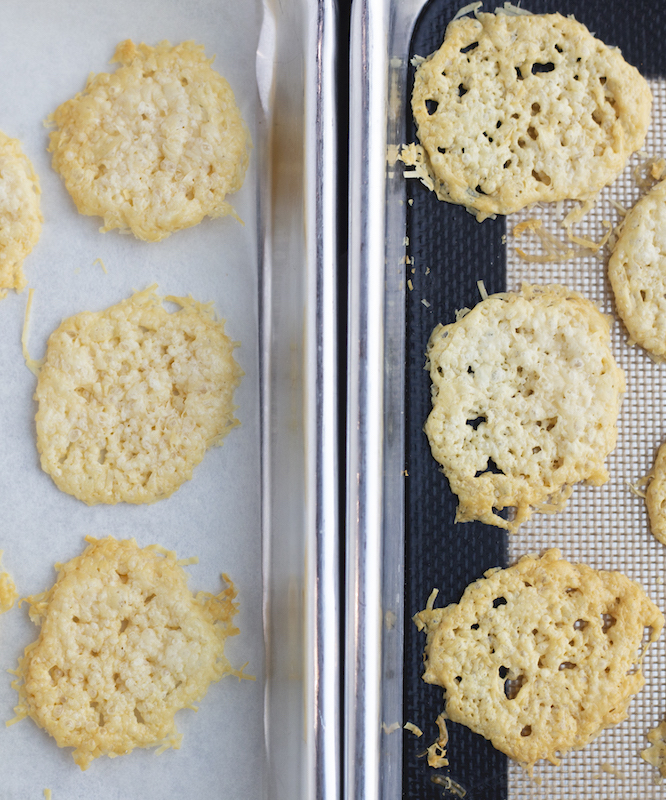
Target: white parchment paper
x=47, y=50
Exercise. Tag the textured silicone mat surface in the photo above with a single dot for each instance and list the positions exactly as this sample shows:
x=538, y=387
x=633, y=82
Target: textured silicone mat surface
x=605, y=527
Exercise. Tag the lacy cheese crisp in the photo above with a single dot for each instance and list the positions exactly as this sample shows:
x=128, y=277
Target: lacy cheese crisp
x=539, y=658
x=123, y=646
x=637, y=272
x=20, y=216
x=514, y=109
x=131, y=397
x=526, y=395
x=155, y=146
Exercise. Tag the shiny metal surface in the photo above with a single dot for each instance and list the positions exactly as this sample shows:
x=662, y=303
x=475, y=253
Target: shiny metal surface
x=380, y=35
x=299, y=403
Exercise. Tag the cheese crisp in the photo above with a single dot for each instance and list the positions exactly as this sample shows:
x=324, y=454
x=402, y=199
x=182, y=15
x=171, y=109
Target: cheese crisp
x=655, y=496
x=123, y=646
x=526, y=395
x=20, y=217
x=539, y=658
x=130, y=398
x=517, y=109
x=637, y=272
x=154, y=147
x=8, y=593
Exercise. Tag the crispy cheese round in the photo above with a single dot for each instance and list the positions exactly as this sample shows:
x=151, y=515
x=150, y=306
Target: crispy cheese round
x=131, y=397
x=20, y=216
x=155, y=146
x=526, y=395
x=655, y=496
x=539, y=658
x=123, y=646
x=637, y=272
x=517, y=109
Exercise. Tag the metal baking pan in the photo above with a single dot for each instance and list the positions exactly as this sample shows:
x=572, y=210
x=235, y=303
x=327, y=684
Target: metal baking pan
x=413, y=262
x=262, y=508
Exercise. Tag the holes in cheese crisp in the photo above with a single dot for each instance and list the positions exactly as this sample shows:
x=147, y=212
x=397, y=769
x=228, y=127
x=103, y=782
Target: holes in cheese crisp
x=56, y=673
x=558, y=48
x=597, y=117
x=507, y=164
x=537, y=68
x=491, y=467
x=643, y=295
x=532, y=133
x=567, y=665
x=526, y=731
x=123, y=577
x=469, y=47
x=513, y=686
x=442, y=150
x=139, y=716
x=519, y=75
x=541, y=177
x=184, y=82
x=462, y=90
x=102, y=455
x=149, y=598
x=431, y=106
x=499, y=601
x=479, y=190
x=475, y=626
x=123, y=625
x=535, y=109
x=607, y=622
x=581, y=624
x=503, y=672
x=76, y=620
x=474, y=423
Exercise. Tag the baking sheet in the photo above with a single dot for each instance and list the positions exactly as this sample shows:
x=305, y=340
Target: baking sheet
x=403, y=542
x=605, y=527
x=46, y=53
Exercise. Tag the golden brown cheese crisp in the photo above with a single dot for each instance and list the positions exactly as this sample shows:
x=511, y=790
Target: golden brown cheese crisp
x=514, y=109
x=131, y=397
x=123, y=646
x=655, y=496
x=20, y=215
x=155, y=146
x=526, y=395
x=637, y=272
x=539, y=658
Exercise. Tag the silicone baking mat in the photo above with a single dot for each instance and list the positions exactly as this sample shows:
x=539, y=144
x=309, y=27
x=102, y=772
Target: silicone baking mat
x=605, y=527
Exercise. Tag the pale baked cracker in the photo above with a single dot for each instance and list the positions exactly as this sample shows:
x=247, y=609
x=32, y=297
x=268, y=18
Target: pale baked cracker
x=637, y=272
x=517, y=109
x=20, y=215
x=526, y=395
x=131, y=397
x=655, y=496
x=155, y=146
x=123, y=646
x=539, y=658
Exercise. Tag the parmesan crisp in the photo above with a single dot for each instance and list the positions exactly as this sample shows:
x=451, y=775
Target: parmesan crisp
x=655, y=496
x=130, y=398
x=20, y=215
x=637, y=272
x=155, y=146
x=526, y=395
x=8, y=593
x=123, y=646
x=539, y=658
x=515, y=109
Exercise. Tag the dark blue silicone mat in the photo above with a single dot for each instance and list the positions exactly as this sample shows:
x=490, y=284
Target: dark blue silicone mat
x=451, y=252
